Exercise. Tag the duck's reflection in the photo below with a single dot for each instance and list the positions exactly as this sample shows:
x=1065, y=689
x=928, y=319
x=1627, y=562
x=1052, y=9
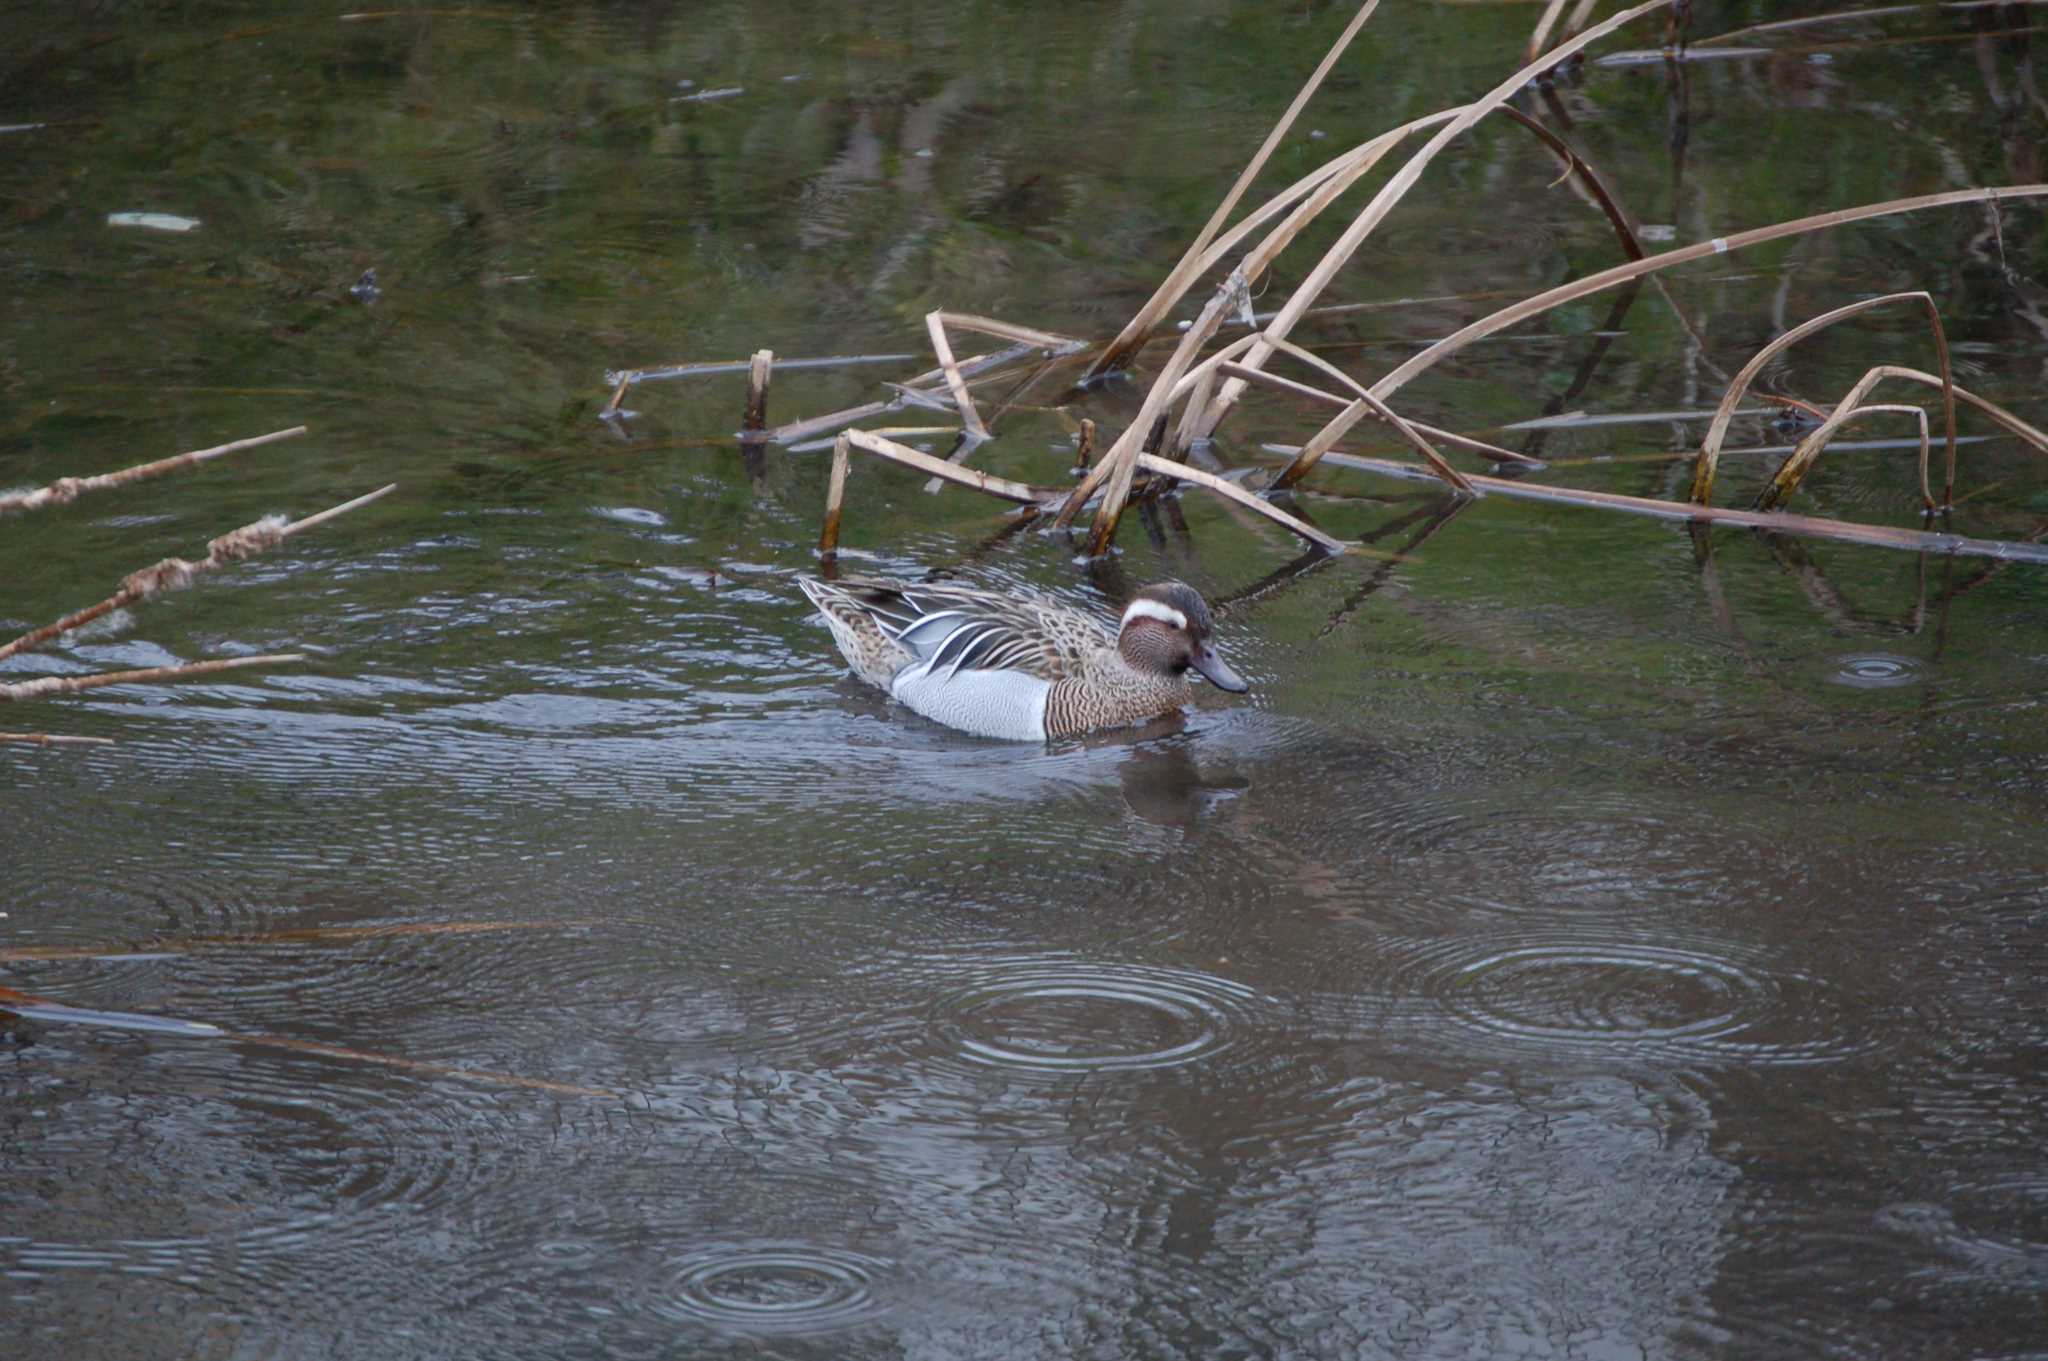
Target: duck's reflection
x=1158, y=777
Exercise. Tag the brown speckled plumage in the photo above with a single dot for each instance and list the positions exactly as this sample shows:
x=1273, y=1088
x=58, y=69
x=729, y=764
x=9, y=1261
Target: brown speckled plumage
x=947, y=651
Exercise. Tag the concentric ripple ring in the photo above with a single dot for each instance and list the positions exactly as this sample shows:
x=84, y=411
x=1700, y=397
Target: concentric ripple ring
x=1064, y=1016
x=773, y=1287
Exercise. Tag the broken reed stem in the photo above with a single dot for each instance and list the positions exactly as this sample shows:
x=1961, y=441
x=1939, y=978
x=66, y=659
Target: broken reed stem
x=1820, y=439
x=1575, y=164
x=1738, y=387
x=1349, y=415
x=835, y=498
x=1084, y=443
x=943, y=349
x=1232, y=492
x=173, y=574
x=1800, y=461
x=67, y=489
x=43, y=739
x=1441, y=436
x=1776, y=521
x=66, y=685
x=49, y=1009
x=1338, y=425
x=1119, y=464
x=758, y=372
x=1002, y=488
x=1541, y=36
x=1029, y=336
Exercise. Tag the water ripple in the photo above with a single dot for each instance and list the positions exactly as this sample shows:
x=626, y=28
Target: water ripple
x=1603, y=995
x=1875, y=671
x=1058, y=1016
x=772, y=1287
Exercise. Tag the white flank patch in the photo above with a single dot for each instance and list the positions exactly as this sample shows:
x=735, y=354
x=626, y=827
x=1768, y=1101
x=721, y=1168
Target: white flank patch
x=1143, y=608
x=1006, y=704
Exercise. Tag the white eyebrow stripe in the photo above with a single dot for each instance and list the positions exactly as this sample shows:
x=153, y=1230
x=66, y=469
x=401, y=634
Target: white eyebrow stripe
x=1142, y=608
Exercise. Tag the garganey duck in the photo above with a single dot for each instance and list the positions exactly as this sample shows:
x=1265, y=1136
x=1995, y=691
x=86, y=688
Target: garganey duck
x=1017, y=667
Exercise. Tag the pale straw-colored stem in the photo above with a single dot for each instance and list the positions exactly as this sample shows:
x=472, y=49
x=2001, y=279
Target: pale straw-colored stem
x=1738, y=387
x=43, y=739
x=67, y=685
x=173, y=574
x=66, y=489
x=1231, y=491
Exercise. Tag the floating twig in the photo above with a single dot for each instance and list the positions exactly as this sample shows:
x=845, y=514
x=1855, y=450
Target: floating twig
x=66, y=489
x=65, y=685
x=173, y=574
x=43, y=739
x=49, y=1010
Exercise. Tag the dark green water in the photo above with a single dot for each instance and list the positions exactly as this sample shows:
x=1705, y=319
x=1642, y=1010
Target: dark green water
x=1581, y=942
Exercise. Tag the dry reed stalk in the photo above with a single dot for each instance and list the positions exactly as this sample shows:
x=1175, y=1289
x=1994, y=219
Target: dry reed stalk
x=1851, y=15
x=1576, y=166
x=1441, y=436
x=1392, y=193
x=66, y=685
x=1800, y=461
x=1542, y=302
x=1119, y=465
x=1030, y=336
x=835, y=498
x=1191, y=266
x=759, y=371
x=1002, y=488
x=817, y=425
x=67, y=489
x=1544, y=24
x=1321, y=187
x=1776, y=521
x=1842, y=416
x=1232, y=492
x=1349, y=414
x=943, y=349
x=43, y=739
x=1340, y=424
x=1738, y=387
x=173, y=574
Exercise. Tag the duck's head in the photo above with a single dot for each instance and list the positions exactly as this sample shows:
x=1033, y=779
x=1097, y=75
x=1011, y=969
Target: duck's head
x=1166, y=630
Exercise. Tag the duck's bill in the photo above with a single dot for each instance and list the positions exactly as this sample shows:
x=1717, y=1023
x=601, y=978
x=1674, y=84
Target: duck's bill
x=1216, y=672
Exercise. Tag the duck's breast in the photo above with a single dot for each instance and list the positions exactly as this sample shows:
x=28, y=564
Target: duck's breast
x=1006, y=704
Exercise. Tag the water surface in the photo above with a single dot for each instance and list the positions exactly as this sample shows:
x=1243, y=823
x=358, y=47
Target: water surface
x=1585, y=940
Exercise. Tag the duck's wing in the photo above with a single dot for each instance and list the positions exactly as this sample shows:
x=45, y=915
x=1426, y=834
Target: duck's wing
x=956, y=628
